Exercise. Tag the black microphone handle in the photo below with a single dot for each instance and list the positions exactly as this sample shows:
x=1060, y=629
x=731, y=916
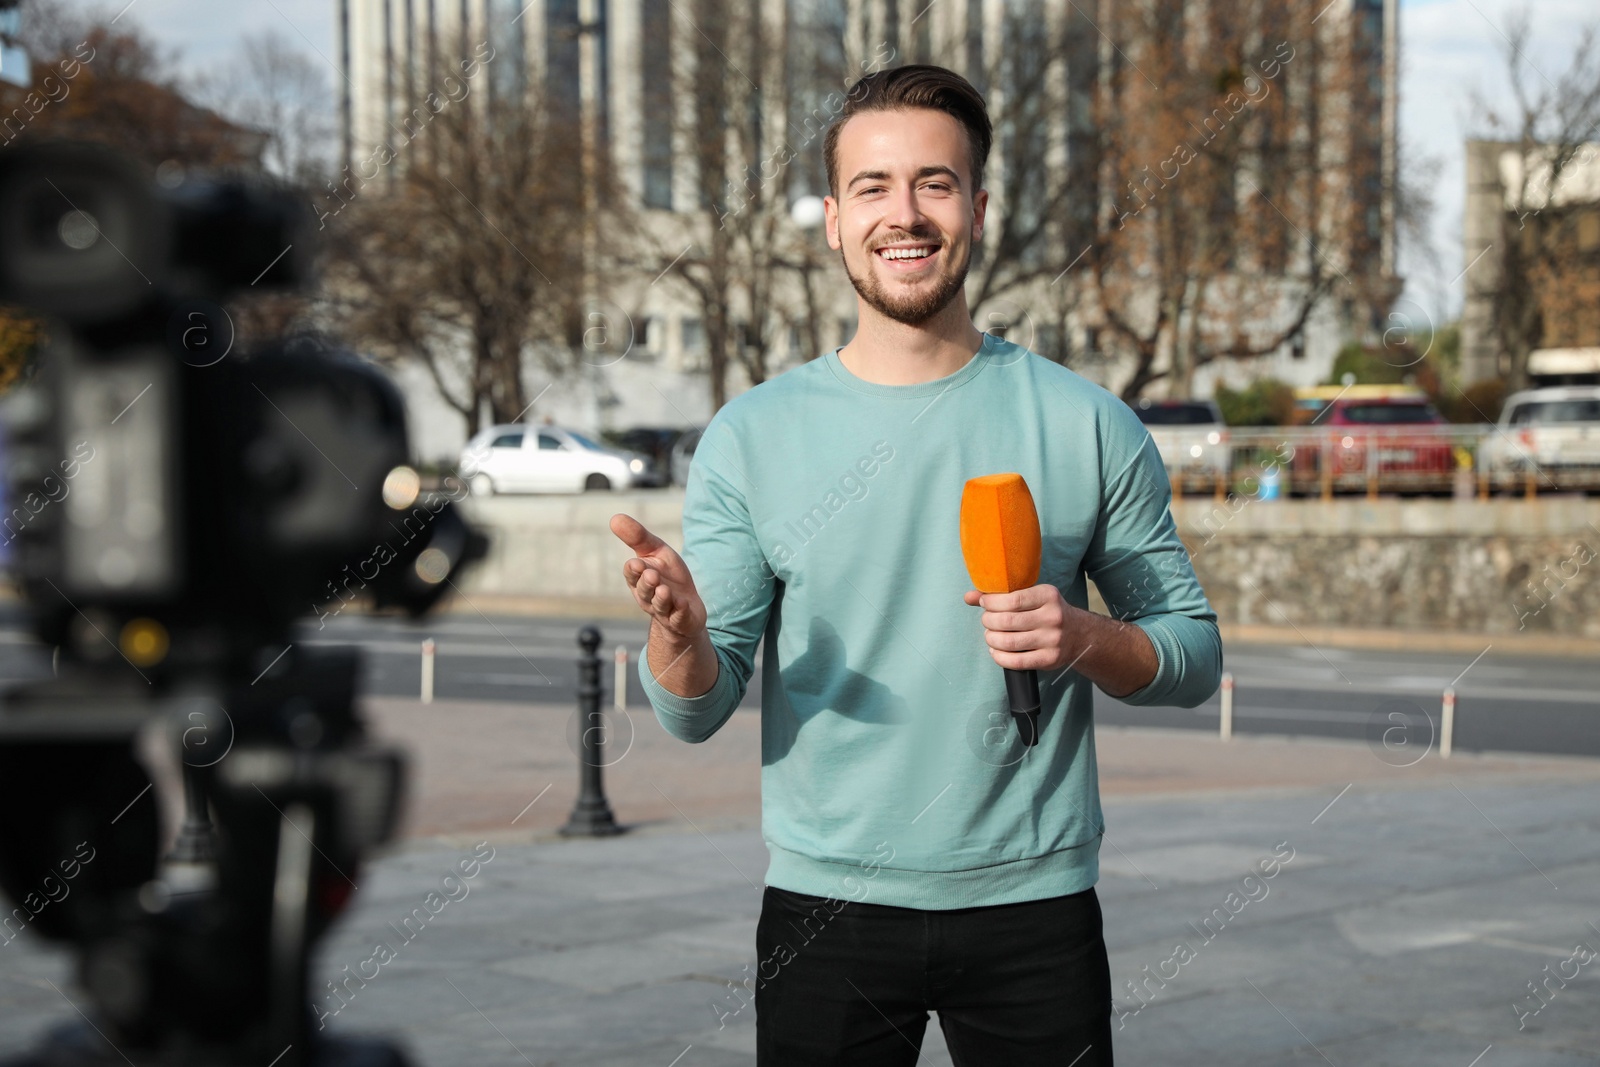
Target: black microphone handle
x=1022, y=689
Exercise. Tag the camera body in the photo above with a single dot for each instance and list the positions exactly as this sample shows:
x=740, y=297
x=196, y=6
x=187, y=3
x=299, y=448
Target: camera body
x=213, y=497
x=177, y=507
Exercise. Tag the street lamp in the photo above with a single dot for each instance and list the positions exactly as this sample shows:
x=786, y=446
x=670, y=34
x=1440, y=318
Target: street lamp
x=589, y=29
x=808, y=213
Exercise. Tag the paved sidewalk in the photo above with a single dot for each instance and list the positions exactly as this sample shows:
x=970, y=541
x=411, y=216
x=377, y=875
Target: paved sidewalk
x=476, y=766
x=1419, y=903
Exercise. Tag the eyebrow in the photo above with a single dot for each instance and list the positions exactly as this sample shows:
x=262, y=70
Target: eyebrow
x=922, y=172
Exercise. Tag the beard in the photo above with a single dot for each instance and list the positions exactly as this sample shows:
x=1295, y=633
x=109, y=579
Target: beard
x=915, y=307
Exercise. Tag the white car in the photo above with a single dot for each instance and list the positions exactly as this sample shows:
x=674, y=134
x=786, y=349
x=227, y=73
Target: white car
x=1190, y=435
x=1556, y=429
x=545, y=459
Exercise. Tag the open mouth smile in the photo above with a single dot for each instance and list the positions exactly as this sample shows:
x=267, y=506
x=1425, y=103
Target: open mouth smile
x=907, y=257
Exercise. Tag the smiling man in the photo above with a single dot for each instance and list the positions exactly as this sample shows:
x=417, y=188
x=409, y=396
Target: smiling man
x=922, y=858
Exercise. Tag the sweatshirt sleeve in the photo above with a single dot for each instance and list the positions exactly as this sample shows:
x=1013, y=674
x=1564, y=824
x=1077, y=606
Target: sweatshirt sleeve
x=733, y=578
x=1143, y=571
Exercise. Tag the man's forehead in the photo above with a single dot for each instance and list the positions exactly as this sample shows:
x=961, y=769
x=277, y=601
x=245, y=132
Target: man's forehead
x=902, y=140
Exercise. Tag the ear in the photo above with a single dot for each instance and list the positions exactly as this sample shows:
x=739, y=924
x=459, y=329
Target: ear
x=980, y=203
x=830, y=217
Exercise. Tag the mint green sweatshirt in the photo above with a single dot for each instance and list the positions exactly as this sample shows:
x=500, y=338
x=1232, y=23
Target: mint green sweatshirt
x=822, y=514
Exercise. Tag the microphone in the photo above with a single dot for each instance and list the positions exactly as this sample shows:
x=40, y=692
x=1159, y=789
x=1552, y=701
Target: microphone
x=1001, y=544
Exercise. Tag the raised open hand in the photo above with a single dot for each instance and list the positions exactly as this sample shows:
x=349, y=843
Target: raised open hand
x=660, y=580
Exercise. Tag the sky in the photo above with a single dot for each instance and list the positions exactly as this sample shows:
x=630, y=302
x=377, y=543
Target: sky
x=1448, y=50
x=205, y=31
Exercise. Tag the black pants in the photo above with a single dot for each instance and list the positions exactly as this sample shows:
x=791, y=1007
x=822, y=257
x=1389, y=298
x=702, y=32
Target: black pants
x=1015, y=985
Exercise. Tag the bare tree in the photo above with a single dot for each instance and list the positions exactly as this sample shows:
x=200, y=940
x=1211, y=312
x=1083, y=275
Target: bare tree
x=273, y=86
x=1033, y=206
x=734, y=248
x=48, y=29
x=1235, y=190
x=1188, y=184
x=113, y=85
x=761, y=106
x=1548, y=129
x=460, y=252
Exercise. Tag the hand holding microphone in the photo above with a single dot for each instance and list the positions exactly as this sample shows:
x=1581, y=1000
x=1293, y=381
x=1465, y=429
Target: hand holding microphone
x=1001, y=544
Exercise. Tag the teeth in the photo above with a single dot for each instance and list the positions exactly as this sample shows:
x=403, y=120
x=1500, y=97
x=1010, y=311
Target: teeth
x=905, y=253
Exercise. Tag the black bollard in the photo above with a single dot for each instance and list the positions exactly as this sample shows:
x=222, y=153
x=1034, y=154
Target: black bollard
x=591, y=815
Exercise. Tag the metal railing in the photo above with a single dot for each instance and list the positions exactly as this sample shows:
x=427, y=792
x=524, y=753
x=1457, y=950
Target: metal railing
x=1457, y=460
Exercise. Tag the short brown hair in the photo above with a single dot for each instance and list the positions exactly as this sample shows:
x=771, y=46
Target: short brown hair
x=915, y=86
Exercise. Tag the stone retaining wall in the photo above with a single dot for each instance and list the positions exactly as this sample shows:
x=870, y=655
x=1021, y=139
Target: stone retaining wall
x=1490, y=567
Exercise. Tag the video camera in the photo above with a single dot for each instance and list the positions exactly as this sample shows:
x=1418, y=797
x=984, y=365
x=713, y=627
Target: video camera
x=174, y=511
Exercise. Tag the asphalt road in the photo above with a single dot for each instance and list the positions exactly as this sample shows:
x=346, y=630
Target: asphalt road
x=1392, y=701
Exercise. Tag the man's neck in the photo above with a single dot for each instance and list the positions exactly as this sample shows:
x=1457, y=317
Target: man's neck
x=887, y=352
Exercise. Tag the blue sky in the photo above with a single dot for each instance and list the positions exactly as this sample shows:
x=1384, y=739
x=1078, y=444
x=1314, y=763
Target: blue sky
x=204, y=31
x=1448, y=50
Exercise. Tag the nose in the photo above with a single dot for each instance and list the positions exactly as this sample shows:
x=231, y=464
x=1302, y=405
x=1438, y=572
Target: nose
x=902, y=211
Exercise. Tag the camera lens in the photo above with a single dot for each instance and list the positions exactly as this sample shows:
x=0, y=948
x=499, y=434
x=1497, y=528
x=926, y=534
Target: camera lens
x=81, y=233
x=78, y=230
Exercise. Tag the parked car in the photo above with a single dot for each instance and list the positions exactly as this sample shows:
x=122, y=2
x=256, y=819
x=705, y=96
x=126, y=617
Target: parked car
x=654, y=443
x=546, y=459
x=683, y=455
x=1554, y=430
x=1191, y=437
x=1311, y=400
x=1398, y=439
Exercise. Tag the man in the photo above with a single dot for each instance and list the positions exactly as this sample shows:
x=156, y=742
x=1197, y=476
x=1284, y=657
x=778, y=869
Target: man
x=922, y=859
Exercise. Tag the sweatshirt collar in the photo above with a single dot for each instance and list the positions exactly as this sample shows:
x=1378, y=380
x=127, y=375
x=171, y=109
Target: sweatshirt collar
x=971, y=369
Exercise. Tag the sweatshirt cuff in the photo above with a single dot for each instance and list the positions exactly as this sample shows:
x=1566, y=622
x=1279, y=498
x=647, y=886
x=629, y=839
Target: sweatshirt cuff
x=691, y=718
x=1188, y=663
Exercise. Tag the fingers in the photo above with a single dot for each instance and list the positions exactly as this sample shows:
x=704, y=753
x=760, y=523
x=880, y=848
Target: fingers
x=663, y=603
x=1018, y=610
x=1020, y=640
x=996, y=606
x=1010, y=621
x=645, y=581
x=1022, y=661
x=652, y=549
x=1023, y=628
x=655, y=596
x=633, y=533
x=657, y=577
x=1035, y=596
x=1038, y=618
x=655, y=563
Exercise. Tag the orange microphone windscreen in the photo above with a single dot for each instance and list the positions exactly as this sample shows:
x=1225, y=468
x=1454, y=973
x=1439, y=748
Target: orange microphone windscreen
x=1000, y=533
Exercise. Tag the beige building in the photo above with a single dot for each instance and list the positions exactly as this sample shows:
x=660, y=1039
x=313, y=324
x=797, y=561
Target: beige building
x=1511, y=198
x=630, y=67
